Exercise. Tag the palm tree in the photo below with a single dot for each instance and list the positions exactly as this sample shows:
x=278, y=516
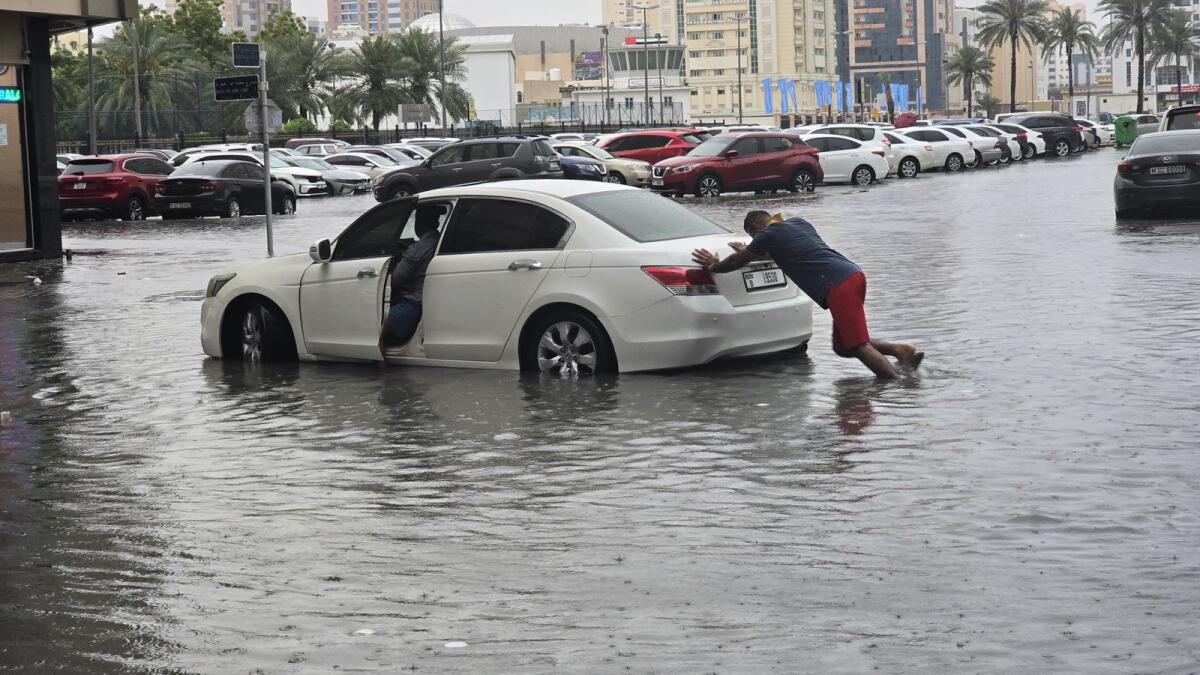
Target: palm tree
x=421, y=51
x=159, y=55
x=380, y=81
x=1068, y=31
x=965, y=66
x=1178, y=36
x=1136, y=19
x=990, y=104
x=302, y=71
x=1012, y=21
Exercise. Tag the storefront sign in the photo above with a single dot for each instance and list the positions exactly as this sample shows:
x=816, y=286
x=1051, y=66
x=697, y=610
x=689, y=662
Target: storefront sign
x=10, y=94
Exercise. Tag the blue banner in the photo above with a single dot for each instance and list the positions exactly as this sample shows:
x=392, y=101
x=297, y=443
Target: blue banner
x=819, y=92
x=768, y=96
x=783, y=96
x=792, y=95
x=918, y=99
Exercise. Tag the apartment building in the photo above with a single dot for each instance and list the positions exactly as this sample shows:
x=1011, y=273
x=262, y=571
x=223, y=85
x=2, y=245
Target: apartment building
x=899, y=41
x=249, y=16
x=379, y=16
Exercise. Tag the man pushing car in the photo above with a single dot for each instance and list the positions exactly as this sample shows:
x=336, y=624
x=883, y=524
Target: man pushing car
x=829, y=278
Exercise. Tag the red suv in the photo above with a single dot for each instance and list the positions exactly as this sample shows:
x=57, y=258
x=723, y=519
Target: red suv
x=652, y=145
x=120, y=186
x=731, y=162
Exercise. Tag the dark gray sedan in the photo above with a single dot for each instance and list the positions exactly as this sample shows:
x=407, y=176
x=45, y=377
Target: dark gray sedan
x=340, y=181
x=1161, y=173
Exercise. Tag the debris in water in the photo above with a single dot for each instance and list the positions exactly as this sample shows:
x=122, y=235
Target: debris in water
x=5, y=418
x=455, y=644
x=363, y=631
x=120, y=274
x=506, y=437
x=36, y=281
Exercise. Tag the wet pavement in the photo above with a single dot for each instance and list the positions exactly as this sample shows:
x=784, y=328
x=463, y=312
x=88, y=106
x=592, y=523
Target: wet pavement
x=1028, y=504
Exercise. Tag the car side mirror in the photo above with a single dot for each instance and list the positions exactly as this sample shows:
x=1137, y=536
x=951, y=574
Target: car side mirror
x=321, y=252
x=730, y=154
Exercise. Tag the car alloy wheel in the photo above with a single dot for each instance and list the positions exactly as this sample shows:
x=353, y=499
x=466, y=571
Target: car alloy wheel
x=614, y=177
x=233, y=208
x=863, y=176
x=565, y=349
x=1062, y=148
x=908, y=168
x=254, y=334
x=954, y=163
x=1005, y=156
x=1030, y=151
x=401, y=193
x=803, y=181
x=288, y=206
x=708, y=186
x=135, y=210
x=976, y=160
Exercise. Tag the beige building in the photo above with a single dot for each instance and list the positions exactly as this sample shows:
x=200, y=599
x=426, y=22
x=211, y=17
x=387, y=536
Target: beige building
x=249, y=16
x=1027, y=74
x=627, y=14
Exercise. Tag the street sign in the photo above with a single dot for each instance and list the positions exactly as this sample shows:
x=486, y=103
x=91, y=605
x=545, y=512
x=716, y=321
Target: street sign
x=245, y=54
x=274, y=118
x=414, y=112
x=240, y=88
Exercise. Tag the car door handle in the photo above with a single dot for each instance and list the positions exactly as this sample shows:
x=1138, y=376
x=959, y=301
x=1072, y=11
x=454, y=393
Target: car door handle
x=525, y=264
x=495, y=163
x=457, y=168
x=367, y=272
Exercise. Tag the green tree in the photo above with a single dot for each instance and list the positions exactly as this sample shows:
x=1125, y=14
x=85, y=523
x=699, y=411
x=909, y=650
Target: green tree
x=966, y=66
x=990, y=104
x=1068, y=31
x=303, y=72
x=281, y=25
x=421, y=51
x=69, y=79
x=1177, y=36
x=198, y=25
x=1136, y=20
x=1015, y=22
x=159, y=53
x=378, y=83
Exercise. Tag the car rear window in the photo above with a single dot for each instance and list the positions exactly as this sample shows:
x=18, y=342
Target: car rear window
x=89, y=166
x=1183, y=120
x=201, y=168
x=692, y=138
x=645, y=216
x=1156, y=145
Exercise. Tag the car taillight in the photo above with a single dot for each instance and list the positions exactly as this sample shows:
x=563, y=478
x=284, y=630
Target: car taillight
x=971, y=143
x=1022, y=137
x=1039, y=136
x=1000, y=144
x=213, y=185
x=1125, y=167
x=928, y=148
x=1078, y=129
x=684, y=280
x=886, y=143
x=881, y=153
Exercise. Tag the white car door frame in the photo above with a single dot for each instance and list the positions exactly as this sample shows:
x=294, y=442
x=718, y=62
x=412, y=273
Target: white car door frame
x=473, y=300
x=341, y=301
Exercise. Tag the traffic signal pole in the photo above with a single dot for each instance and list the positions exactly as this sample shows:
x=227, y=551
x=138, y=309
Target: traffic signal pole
x=266, y=146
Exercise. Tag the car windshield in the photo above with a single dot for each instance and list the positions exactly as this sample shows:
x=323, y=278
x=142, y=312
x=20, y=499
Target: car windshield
x=277, y=163
x=1189, y=119
x=598, y=153
x=81, y=167
x=312, y=163
x=894, y=138
x=200, y=168
x=383, y=161
x=696, y=139
x=712, y=147
x=645, y=216
x=1166, y=143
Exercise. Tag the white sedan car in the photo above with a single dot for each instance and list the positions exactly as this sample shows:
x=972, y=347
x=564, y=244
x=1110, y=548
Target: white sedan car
x=950, y=152
x=563, y=277
x=847, y=160
x=908, y=157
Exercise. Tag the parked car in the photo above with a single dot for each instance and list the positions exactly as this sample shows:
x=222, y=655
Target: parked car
x=319, y=149
x=60, y=166
x=1161, y=172
x=293, y=143
x=1147, y=123
x=1062, y=133
x=985, y=149
x=628, y=171
x=230, y=188
x=430, y=142
x=908, y=157
x=949, y=151
x=651, y=146
x=1010, y=148
x=736, y=162
x=396, y=155
x=412, y=151
x=870, y=135
x=1033, y=142
x=1088, y=132
x=473, y=160
x=285, y=152
x=119, y=186
x=165, y=154
x=372, y=165
x=304, y=182
x=183, y=155
x=847, y=160
x=583, y=168
x=340, y=180
x=573, y=137
x=1181, y=117
x=562, y=277
x=68, y=157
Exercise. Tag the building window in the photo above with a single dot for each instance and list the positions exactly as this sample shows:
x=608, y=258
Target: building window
x=718, y=71
x=720, y=92
x=628, y=104
x=716, y=52
x=693, y=73
x=695, y=36
x=718, y=35
x=668, y=101
x=695, y=54
x=1128, y=74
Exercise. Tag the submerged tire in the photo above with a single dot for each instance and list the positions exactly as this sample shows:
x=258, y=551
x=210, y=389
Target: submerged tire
x=567, y=343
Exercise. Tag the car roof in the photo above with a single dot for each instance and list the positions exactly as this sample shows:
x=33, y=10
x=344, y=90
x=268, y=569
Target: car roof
x=561, y=189
x=1178, y=133
x=114, y=158
x=844, y=138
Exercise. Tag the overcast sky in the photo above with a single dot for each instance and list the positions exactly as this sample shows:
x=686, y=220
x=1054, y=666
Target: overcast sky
x=499, y=12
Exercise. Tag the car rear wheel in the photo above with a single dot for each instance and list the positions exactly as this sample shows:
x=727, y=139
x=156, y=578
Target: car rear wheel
x=1030, y=151
x=287, y=205
x=908, y=168
x=400, y=193
x=233, y=208
x=708, y=186
x=954, y=162
x=862, y=176
x=803, y=181
x=614, y=177
x=1062, y=148
x=976, y=160
x=1005, y=156
x=264, y=336
x=135, y=209
x=568, y=343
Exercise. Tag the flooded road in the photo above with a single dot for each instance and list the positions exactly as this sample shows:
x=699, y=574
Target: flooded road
x=1028, y=504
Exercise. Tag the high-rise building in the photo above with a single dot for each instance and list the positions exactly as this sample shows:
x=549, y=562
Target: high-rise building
x=379, y=16
x=249, y=16
x=900, y=41
x=770, y=39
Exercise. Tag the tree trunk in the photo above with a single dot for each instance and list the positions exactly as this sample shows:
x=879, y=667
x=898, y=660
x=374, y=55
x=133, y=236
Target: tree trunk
x=1070, y=84
x=1178, y=80
x=970, y=90
x=1141, y=55
x=1012, y=84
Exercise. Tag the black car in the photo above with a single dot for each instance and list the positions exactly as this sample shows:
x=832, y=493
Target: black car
x=221, y=187
x=583, y=168
x=1062, y=133
x=1161, y=172
x=471, y=161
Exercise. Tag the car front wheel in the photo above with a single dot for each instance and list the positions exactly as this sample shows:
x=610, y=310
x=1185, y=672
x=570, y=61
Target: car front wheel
x=708, y=186
x=287, y=205
x=400, y=193
x=233, y=208
x=1062, y=148
x=263, y=335
x=863, y=176
x=568, y=343
x=135, y=209
x=614, y=177
x=1030, y=151
x=803, y=181
x=954, y=163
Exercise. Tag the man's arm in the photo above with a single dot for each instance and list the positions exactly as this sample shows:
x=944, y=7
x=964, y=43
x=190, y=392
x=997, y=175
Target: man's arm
x=410, y=263
x=713, y=263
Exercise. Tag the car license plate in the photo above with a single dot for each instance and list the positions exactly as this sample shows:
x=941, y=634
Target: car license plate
x=771, y=277
x=81, y=186
x=1161, y=170
x=179, y=205
x=656, y=181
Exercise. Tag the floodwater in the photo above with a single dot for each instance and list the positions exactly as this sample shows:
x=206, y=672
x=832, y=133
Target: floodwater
x=1029, y=503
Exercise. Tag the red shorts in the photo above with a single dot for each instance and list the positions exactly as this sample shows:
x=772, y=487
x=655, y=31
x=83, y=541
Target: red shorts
x=845, y=303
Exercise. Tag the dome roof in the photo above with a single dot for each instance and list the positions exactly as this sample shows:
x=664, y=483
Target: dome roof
x=429, y=22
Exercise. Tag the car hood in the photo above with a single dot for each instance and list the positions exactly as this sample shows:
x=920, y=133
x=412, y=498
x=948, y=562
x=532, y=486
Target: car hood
x=628, y=163
x=682, y=161
x=579, y=161
x=296, y=171
x=345, y=174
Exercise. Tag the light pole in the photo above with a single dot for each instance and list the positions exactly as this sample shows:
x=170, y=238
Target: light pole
x=91, y=99
x=658, y=59
x=604, y=44
x=739, y=20
x=442, y=49
x=646, y=57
